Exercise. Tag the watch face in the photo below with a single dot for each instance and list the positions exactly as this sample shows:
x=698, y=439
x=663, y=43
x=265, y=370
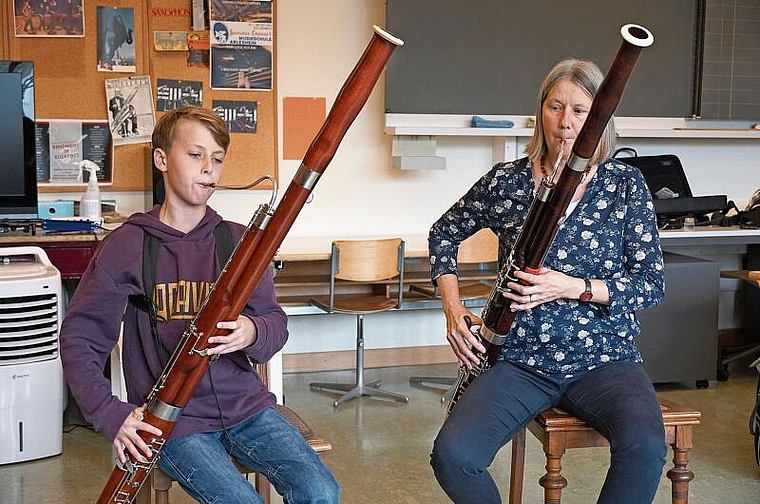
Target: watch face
x=587, y=295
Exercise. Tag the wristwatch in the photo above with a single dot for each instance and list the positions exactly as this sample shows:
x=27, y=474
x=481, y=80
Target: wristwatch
x=587, y=295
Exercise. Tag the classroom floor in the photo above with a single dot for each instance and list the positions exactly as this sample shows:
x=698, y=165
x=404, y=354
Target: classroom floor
x=380, y=449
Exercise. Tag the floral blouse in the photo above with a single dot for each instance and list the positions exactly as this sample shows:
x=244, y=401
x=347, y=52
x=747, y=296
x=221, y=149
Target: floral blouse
x=611, y=235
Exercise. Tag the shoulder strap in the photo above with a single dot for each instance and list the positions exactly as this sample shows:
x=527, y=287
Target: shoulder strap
x=224, y=243
x=224, y=246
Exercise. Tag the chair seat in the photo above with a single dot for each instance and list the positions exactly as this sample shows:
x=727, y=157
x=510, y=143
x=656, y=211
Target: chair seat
x=558, y=430
x=356, y=304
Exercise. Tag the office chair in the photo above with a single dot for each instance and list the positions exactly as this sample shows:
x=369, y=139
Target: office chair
x=476, y=258
x=371, y=263
x=752, y=277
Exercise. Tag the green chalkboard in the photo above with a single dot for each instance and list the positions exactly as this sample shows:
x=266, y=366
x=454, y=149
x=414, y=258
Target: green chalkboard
x=489, y=56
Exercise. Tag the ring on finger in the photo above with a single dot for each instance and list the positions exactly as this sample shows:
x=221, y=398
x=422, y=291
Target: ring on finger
x=530, y=298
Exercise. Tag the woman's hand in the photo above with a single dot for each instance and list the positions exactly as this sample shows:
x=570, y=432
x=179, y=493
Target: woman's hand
x=128, y=440
x=242, y=334
x=547, y=285
x=462, y=340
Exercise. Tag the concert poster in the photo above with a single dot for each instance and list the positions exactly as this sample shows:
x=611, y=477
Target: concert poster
x=116, y=44
x=241, y=42
x=61, y=144
x=130, y=109
x=241, y=67
x=48, y=18
x=171, y=94
x=240, y=116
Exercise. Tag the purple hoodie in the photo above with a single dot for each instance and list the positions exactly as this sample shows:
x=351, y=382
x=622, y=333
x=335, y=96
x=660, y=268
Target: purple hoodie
x=186, y=266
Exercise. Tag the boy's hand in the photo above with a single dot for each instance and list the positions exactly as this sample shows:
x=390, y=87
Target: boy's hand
x=242, y=334
x=128, y=440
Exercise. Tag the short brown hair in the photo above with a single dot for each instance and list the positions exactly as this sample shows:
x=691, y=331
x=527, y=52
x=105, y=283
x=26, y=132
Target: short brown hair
x=587, y=76
x=165, y=130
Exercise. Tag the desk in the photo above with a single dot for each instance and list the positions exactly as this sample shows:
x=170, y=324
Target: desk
x=418, y=323
x=710, y=235
x=303, y=271
x=70, y=252
x=317, y=248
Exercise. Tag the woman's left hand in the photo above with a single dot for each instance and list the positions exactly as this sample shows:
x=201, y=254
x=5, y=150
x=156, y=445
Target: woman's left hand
x=242, y=334
x=534, y=290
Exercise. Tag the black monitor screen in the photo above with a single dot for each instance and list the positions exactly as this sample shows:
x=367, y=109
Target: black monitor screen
x=12, y=137
x=18, y=169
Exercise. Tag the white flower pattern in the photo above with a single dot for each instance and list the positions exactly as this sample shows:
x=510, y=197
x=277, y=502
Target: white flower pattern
x=611, y=235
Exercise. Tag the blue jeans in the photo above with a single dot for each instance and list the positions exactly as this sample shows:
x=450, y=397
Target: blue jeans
x=616, y=399
x=265, y=442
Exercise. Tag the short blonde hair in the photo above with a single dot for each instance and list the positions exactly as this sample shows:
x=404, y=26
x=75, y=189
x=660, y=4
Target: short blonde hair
x=165, y=131
x=587, y=76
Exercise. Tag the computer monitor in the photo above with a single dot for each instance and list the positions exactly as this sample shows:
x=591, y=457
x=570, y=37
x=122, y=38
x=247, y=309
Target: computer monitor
x=18, y=166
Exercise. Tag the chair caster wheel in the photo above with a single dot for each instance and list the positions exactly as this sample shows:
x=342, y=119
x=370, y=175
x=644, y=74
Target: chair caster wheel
x=723, y=373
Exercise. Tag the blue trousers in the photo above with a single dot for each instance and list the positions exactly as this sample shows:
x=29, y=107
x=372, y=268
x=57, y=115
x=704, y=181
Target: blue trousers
x=266, y=442
x=616, y=399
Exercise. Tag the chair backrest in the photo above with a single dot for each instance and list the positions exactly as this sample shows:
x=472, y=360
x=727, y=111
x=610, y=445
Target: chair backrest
x=482, y=247
x=372, y=260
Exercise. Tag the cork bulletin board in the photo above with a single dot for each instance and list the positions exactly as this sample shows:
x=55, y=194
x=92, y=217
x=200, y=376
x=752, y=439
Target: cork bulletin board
x=68, y=86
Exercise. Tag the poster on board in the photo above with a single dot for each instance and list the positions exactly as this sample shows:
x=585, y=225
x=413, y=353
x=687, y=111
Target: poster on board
x=130, y=108
x=49, y=18
x=116, y=44
x=61, y=144
x=241, y=44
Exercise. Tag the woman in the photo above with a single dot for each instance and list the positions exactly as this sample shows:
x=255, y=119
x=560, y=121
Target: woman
x=572, y=343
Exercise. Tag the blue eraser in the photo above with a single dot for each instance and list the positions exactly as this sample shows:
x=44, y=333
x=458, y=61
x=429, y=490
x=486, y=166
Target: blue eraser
x=479, y=122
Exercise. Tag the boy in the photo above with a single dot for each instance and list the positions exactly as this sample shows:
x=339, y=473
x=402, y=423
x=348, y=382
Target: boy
x=231, y=411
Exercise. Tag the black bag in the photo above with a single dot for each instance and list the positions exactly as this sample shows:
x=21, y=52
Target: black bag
x=673, y=199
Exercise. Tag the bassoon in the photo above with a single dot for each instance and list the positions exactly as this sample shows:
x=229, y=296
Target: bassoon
x=242, y=272
x=548, y=210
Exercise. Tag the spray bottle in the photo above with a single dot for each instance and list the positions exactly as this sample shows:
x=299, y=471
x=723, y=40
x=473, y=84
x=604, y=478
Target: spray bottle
x=89, y=206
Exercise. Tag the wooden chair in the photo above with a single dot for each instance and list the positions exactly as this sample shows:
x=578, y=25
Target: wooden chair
x=362, y=262
x=559, y=431
x=478, y=251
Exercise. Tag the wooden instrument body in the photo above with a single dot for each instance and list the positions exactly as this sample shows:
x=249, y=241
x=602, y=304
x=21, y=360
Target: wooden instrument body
x=549, y=207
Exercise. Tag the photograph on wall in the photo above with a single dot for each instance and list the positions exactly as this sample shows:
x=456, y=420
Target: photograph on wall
x=241, y=44
x=240, y=116
x=61, y=144
x=116, y=44
x=197, y=48
x=171, y=94
x=49, y=18
x=170, y=40
x=130, y=109
x=241, y=67
x=249, y=11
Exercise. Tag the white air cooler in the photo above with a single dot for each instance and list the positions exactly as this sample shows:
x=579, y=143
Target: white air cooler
x=31, y=377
